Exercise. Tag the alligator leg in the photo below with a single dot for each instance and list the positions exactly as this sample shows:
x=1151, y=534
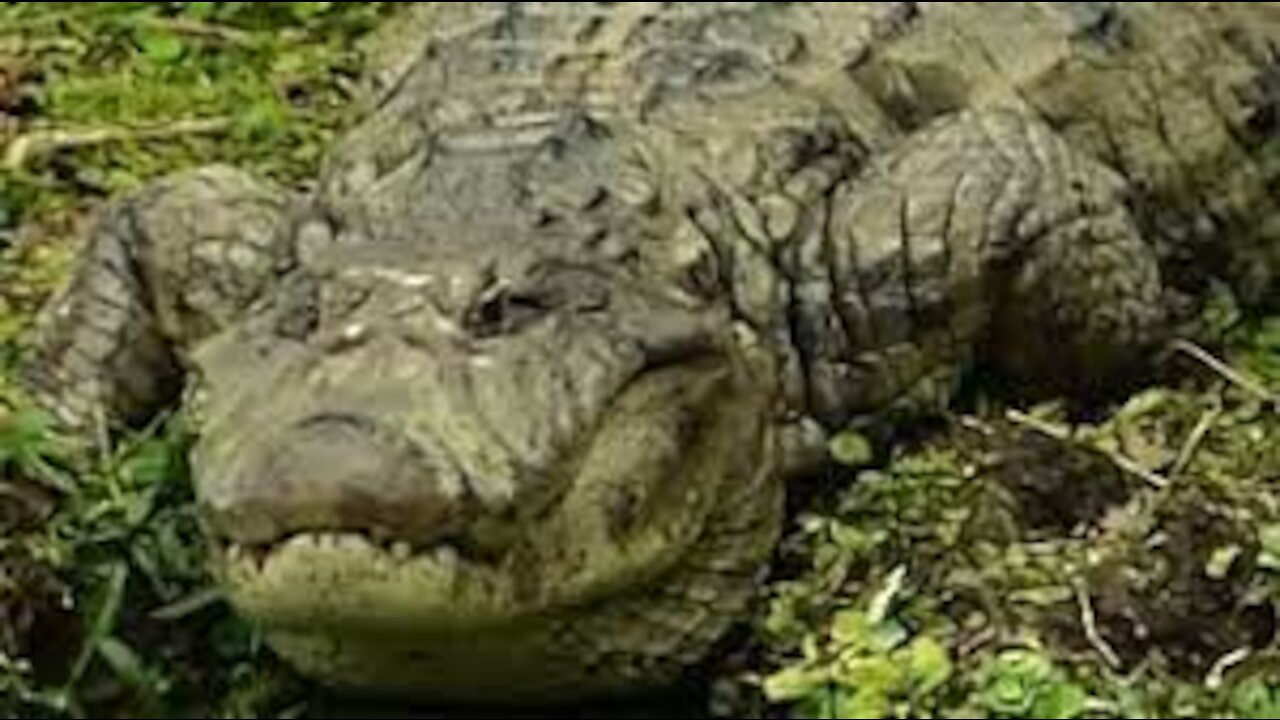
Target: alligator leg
x=1078, y=302
x=164, y=267
x=985, y=241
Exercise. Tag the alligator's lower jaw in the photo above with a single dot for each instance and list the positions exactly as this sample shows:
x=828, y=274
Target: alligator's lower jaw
x=437, y=628
x=433, y=627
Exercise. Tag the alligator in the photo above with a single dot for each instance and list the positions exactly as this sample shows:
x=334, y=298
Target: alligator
x=504, y=405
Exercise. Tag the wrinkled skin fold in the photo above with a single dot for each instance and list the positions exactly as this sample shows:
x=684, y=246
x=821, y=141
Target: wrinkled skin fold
x=504, y=409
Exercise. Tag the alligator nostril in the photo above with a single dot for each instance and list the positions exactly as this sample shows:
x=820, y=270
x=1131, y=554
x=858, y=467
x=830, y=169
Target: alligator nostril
x=339, y=473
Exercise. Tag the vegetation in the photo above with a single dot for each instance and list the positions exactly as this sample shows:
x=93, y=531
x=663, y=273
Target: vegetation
x=1023, y=567
x=105, y=606
x=1014, y=565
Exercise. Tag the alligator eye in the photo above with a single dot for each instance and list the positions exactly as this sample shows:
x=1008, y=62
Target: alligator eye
x=503, y=312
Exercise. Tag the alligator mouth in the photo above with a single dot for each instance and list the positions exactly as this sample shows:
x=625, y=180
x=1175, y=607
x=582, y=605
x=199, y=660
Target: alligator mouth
x=345, y=580
x=458, y=542
x=446, y=553
x=491, y=571
x=277, y=564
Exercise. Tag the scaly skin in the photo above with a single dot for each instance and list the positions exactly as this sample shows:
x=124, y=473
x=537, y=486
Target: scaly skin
x=505, y=408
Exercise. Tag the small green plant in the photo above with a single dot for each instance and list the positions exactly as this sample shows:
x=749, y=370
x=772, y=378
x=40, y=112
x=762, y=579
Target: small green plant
x=1027, y=684
x=1256, y=698
x=29, y=449
x=866, y=665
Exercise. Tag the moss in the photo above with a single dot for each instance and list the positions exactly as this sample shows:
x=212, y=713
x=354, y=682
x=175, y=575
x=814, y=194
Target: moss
x=1113, y=569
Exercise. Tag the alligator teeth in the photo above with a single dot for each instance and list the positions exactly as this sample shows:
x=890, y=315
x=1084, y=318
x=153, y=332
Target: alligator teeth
x=447, y=327
x=401, y=551
x=351, y=543
x=447, y=556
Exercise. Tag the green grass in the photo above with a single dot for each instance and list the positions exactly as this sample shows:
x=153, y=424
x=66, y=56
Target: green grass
x=993, y=571
x=275, y=80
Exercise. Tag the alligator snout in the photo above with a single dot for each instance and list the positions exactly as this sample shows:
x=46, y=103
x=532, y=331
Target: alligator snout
x=338, y=473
